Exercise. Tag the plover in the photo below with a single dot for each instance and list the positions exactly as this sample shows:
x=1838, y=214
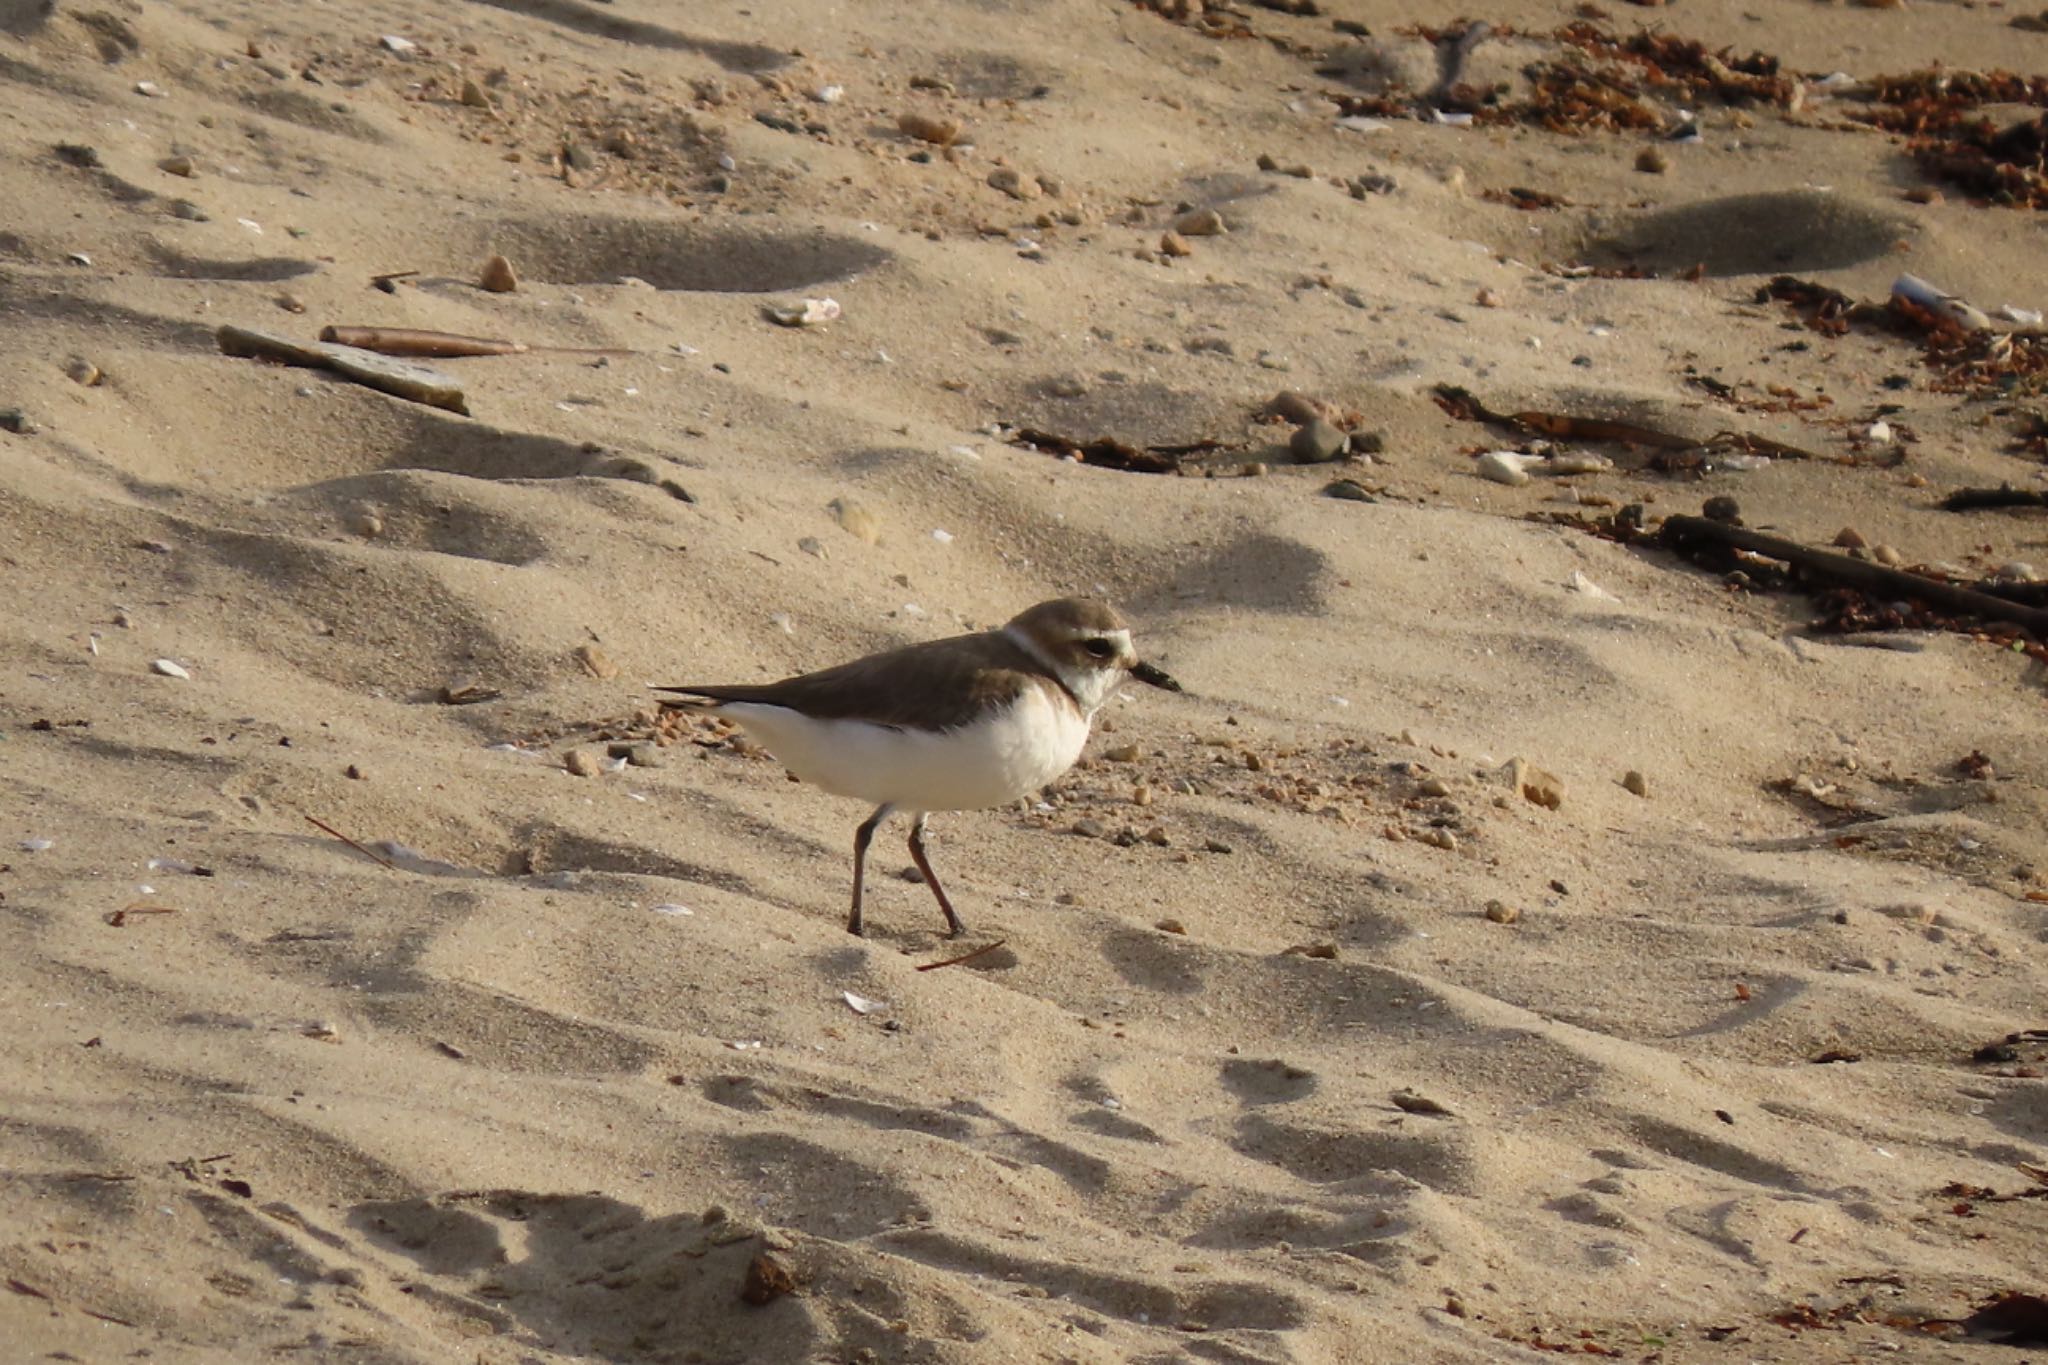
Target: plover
x=956, y=724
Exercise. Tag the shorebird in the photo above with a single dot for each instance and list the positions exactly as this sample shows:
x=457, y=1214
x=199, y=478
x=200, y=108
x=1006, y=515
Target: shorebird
x=957, y=724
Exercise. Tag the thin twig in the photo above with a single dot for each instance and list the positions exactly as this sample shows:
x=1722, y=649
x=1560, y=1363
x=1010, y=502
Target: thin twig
x=373, y=857
x=964, y=957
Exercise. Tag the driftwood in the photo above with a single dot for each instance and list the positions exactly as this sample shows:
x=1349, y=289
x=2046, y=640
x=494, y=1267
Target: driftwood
x=1977, y=499
x=1691, y=533
x=412, y=341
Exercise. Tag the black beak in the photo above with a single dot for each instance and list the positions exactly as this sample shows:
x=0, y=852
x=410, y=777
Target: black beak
x=1158, y=677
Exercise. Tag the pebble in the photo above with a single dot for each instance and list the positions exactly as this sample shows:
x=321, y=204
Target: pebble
x=1434, y=786
x=1122, y=753
x=189, y=211
x=857, y=520
x=1486, y=298
x=1439, y=838
x=18, y=422
x=1536, y=786
x=1216, y=846
x=2018, y=571
x=1318, y=442
x=1410, y=1102
x=1157, y=836
x=1887, y=556
x=646, y=754
x=178, y=165
x=1349, y=490
x=1502, y=466
x=940, y=132
x=1652, y=161
x=83, y=372
x=1849, y=538
x=1500, y=912
x=1014, y=183
x=1634, y=783
x=1089, y=828
x=1141, y=795
x=149, y=90
x=595, y=661
x=1722, y=508
x=402, y=46
x=581, y=762
x=1200, y=223
x=1173, y=244
x=473, y=95
x=1298, y=408
x=498, y=277
x=169, y=668
x=1169, y=926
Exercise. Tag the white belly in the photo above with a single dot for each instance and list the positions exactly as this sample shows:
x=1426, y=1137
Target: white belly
x=1010, y=753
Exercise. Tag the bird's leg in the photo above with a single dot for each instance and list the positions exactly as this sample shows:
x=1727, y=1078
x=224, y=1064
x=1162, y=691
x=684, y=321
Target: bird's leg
x=861, y=838
x=954, y=928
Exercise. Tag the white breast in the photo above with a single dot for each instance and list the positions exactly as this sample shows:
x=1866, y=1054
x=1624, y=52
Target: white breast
x=1009, y=753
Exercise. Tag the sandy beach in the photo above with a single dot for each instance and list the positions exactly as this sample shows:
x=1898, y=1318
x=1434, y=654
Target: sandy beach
x=1521, y=939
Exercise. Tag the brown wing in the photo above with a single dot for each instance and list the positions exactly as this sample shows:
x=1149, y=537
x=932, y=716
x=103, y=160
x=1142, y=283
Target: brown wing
x=938, y=685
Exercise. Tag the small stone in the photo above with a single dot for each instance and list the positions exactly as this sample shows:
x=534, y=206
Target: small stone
x=1169, y=926
x=1500, y=912
x=149, y=90
x=291, y=303
x=325, y=1031
x=1014, y=183
x=1409, y=1102
x=169, y=668
x=1122, y=753
x=1436, y=837
x=1216, y=846
x=1634, y=783
x=1173, y=244
x=1652, y=161
x=1502, y=466
x=1200, y=223
x=1319, y=442
x=189, y=211
x=1486, y=298
x=1433, y=786
x=354, y=774
x=18, y=422
x=1537, y=786
x=83, y=372
x=366, y=523
x=1157, y=836
x=473, y=95
x=1253, y=469
x=857, y=521
x=1349, y=490
x=1923, y=194
x=595, y=661
x=1887, y=555
x=581, y=762
x=940, y=132
x=1141, y=795
x=178, y=165
x=402, y=46
x=1849, y=538
x=1297, y=408
x=1325, y=951
x=497, y=277
x=768, y=1279
x=1722, y=508
x=646, y=754
x=1089, y=828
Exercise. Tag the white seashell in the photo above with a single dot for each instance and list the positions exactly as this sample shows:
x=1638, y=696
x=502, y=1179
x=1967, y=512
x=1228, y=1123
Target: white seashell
x=36, y=845
x=170, y=668
x=1913, y=289
x=1578, y=582
x=1504, y=466
x=811, y=313
x=943, y=536
x=860, y=1004
x=394, y=43
x=673, y=910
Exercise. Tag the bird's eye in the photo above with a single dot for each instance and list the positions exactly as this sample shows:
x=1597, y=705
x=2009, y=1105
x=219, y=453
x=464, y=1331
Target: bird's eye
x=1100, y=648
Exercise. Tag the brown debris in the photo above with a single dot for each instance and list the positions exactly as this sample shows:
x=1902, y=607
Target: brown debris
x=768, y=1279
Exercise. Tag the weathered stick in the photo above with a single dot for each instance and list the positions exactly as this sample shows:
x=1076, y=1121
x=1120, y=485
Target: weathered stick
x=1975, y=499
x=1683, y=533
x=964, y=957
x=413, y=341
